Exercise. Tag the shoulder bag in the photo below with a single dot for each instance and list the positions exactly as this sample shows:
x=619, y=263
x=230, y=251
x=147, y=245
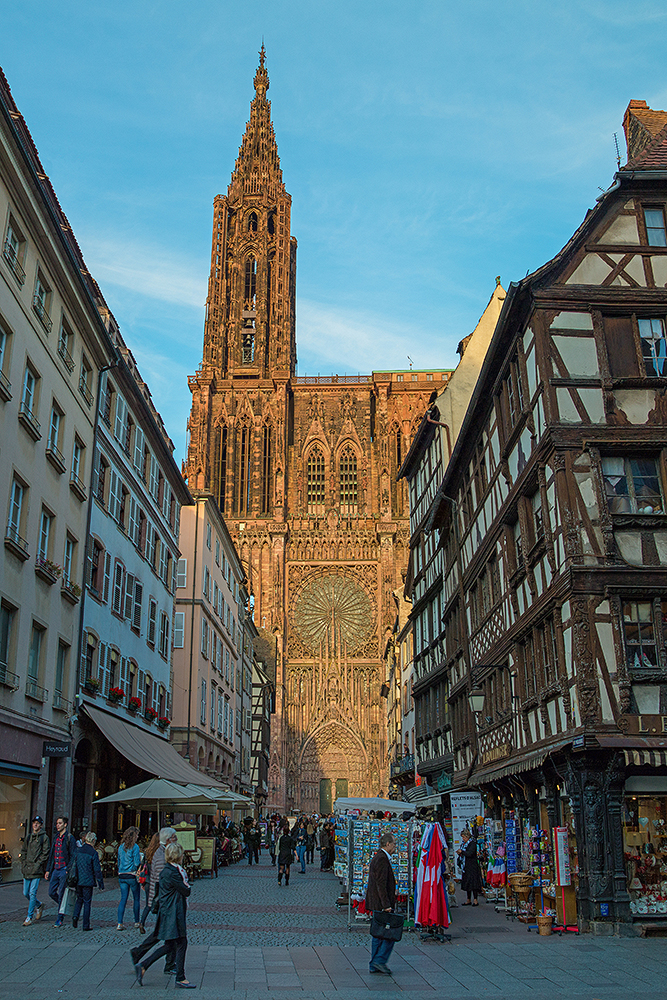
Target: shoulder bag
x=72, y=877
x=388, y=926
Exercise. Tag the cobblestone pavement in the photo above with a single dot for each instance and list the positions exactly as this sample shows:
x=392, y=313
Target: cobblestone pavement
x=250, y=939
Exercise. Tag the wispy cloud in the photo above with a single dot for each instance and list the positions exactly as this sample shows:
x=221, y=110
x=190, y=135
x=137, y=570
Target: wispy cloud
x=150, y=270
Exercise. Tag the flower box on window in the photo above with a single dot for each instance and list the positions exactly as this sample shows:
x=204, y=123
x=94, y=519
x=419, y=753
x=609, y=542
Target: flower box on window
x=116, y=695
x=91, y=685
x=150, y=715
x=134, y=704
x=163, y=722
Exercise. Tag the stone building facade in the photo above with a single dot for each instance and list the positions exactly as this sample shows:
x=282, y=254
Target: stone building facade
x=304, y=472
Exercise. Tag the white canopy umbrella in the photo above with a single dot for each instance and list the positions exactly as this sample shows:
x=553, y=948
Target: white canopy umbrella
x=159, y=793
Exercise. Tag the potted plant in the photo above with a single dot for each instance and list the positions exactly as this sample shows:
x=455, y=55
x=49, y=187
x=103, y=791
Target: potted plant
x=134, y=704
x=91, y=685
x=164, y=722
x=116, y=695
x=150, y=715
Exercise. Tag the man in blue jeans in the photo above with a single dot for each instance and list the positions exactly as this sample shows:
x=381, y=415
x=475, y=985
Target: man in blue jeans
x=63, y=849
x=381, y=895
x=34, y=855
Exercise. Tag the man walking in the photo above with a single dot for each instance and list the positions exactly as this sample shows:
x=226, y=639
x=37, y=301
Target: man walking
x=381, y=895
x=34, y=855
x=167, y=836
x=62, y=851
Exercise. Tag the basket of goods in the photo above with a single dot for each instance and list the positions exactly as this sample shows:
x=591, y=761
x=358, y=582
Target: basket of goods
x=522, y=884
x=544, y=921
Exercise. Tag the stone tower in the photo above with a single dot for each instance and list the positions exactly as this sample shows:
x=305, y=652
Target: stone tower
x=304, y=470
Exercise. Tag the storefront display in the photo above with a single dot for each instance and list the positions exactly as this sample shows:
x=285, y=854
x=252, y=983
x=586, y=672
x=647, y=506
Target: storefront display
x=15, y=801
x=645, y=852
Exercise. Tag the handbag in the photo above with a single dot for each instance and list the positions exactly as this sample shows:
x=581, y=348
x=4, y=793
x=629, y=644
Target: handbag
x=388, y=926
x=143, y=873
x=72, y=877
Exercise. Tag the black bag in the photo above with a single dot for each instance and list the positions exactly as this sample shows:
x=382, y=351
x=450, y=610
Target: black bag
x=388, y=926
x=72, y=877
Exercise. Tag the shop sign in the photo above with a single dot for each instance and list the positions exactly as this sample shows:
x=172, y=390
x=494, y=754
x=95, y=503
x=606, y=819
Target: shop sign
x=466, y=807
x=497, y=753
x=644, y=724
x=562, y=856
x=444, y=782
x=53, y=749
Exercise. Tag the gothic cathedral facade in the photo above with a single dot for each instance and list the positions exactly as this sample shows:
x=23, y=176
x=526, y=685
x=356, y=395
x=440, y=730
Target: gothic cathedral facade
x=304, y=472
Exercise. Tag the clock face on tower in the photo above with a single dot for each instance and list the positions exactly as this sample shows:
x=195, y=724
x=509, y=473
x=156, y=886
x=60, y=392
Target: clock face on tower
x=332, y=612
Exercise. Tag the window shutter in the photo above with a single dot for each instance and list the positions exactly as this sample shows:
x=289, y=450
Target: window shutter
x=136, y=612
x=182, y=573
x=132, y=526
x=107, y=576
x=129, y=595
x=138, y=449
x=141, y=685
x=102, y=668
x=121, y=413
x=621, y=346
x=166, y=501
x=123, y=673
x=154, y=483
x=179, y=630
x=118, y=589
x=151, y=622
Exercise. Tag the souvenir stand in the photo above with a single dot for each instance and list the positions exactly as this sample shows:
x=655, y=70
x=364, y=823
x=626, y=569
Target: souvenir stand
x=357, y=840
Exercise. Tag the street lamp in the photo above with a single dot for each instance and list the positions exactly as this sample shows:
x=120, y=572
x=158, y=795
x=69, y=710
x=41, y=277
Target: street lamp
x=476, y=701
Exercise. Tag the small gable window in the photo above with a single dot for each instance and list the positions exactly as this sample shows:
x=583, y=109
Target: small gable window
x=655, y=227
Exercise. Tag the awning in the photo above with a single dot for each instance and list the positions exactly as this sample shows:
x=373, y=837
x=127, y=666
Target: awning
x=646, y=758
x=385, y=805
x=148, y=752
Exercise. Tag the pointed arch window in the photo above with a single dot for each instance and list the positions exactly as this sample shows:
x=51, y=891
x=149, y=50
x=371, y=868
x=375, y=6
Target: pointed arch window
x=250, y=292
x=252, y=222
x=221, y=465
x=245, y=441
x=347, y=468
x=315, y=481
x=267, y=471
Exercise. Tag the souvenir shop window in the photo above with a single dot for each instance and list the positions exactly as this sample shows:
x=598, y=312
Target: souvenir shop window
x=643, y=622
x=645, y=852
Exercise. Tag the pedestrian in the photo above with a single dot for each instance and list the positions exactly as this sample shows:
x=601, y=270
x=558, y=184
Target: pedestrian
x=62, y=851
x=271, y=837
x=310, y=841
x=85, y=866
x=173, y=889
x=324, y=845
x=471, y=880
x=255, y=841
x=301, y=845
x=144, y=878
x=34, y=855
x=285, y=854
x=129, y=859
x=381, y=895
x=167, y=836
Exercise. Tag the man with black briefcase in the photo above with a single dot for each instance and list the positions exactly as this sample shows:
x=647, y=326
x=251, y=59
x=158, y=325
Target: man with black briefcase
x=386, y=926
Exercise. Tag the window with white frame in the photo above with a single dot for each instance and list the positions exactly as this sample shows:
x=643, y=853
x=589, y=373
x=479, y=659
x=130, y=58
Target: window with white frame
x=29, y=393
x=17, y=506
x=139, y=455
x=202, y=706
x=163, y=648
x=218, y=656
x=77, y=471
x=41, y=300
x=69, y=560
x=55, y=431
x=154, y=478
x=206, y=587
x=45, y=533
x=182, y=573
x=179, y=630
x=13, y=250
x=221, y=702
x=227, y=665
x=633, y=485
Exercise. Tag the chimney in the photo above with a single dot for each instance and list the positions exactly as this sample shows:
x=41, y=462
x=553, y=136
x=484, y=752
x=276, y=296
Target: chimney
x=641, y=124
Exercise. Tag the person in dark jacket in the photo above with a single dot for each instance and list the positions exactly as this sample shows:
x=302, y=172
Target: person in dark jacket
x=172, y=891
x=63, y=848
x=301, y=845
x=285, y=854
x=381, y=895
x=471, y=880
x=254, y=842
x=86, y=865
x=34, y=855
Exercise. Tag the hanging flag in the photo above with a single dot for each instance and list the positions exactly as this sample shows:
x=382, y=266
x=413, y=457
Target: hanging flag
x=433, y=910
x=420, y=867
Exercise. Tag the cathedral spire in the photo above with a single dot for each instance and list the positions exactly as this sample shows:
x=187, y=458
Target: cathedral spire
x=261, y=76
x=257, y=169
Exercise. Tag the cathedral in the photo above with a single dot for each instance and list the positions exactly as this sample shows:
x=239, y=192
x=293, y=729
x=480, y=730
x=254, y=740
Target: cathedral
x=304, y=471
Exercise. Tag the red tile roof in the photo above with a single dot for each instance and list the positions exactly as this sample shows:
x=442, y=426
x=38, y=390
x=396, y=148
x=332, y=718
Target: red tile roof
x=653, y=156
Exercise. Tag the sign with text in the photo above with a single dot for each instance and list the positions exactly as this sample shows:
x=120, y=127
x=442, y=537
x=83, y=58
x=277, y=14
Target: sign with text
x=562, y=856
x=466, y=807
x=53, y=748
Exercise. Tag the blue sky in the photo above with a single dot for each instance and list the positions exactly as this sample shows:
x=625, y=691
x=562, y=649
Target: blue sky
x=427, y=146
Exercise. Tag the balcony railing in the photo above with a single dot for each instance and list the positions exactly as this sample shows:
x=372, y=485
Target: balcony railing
x=403, y=765
x=30, y=421
x=77, y=486
x=15, y=543
x=5, y=386
x=42, y=314
x=35, y=691
x=66, y=356
x=10, y=255
x=8, y=679
x=61, y=704
x=56, y=457
x=85, y=391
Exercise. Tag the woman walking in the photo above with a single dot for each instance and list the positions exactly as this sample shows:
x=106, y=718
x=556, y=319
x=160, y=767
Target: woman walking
x=311, y=826
x=302, y=845
x=129, y=859
x=145, y=875
x=285, y=854
x=86, y=866
x=471, y=881
x=271, y=836
x=172, y=891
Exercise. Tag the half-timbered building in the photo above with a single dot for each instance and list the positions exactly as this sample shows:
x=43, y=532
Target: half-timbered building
x=554, y=534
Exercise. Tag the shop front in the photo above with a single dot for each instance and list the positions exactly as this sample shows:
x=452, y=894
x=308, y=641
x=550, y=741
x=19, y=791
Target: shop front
x=644, y=823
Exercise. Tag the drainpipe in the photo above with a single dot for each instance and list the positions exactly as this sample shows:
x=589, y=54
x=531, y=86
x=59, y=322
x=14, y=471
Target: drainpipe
x=192, y=623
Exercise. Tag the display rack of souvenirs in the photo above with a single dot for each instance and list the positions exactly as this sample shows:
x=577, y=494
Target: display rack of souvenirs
x=341, y=848
x=647, y=880
x=512, y=843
